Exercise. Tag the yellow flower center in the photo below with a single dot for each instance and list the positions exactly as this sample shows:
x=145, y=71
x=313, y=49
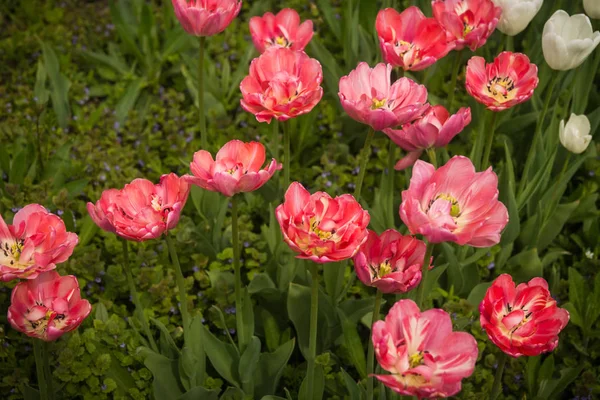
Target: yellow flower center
x=378, y=103
x=10, y=254
x=415, y=359
x=385, y=268
x=281, y=41
x=501, y=89
x=156, y=203
x=455, y=209
x=314, y=226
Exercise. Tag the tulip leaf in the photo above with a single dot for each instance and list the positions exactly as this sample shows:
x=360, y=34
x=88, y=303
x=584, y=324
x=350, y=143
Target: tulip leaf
x=165, y=372
x=248, y=363
x=270, y=368
x=353, y=389
x=507, y=189
x=555, y=224
x=353, y=344
x=525, y=265
x=319, y=385
x=199, y=392
x=223, y=356
x=478, y=293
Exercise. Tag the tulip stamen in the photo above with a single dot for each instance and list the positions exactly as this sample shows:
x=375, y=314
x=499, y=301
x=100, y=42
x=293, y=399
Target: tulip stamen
x=314, y=226
x=454, y=209
x=416, y=359
x=377, y=104
x=501, y=88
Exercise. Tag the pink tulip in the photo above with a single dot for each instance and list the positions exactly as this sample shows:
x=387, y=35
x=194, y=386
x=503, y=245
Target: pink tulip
x=141, y=210
x=281, y=30
x=206, y=17
x=508, y=81
x=47, y=307
x=435, y=129
x=35, y=242
x=410, y=40
x=368, y=96
x=425, y=358
x=454, y=204
x=467, y=22
x=321, y=228
x=522, y=321
x=237, y=168
x=282, y=84
x=390, y=262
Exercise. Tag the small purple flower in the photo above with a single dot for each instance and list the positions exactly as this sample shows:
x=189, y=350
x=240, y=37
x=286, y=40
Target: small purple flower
x=491, y=265
x=195, y=268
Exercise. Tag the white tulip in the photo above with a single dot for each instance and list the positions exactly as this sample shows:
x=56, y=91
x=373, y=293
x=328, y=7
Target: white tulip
x=575, y=135
x=567, y=41
x=592, y=8
x=516, y=14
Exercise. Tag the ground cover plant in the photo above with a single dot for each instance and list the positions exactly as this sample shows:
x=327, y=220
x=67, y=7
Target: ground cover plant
x=224, y=199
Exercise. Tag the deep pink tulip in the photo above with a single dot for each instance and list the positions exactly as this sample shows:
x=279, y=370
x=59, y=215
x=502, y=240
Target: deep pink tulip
x=141, y=210
x=48, y=306
x=368, y=96
x=35, y=242
x=425, y=358
x=522, y=321
x=410, y=40
x=454, y=204
x=435, y=129
x=282, y=84
x=508, y=81
x=321, y=228
x=467, y=22
x=281, y=30
x=206, y=17
x=237, y=168
x=390, y=262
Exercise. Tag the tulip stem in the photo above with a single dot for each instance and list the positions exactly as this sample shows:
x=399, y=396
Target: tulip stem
x=46, y=354
x=371, y=350
x=135, y=297
x=424, y=271
x=275, y=139
x=312, y=341
x=181, y=288
x=38, y=351
x=496, y=388
x=432, y=156
x=454, y=79
x=203, y=132
x=536, y=135
x=488, y=144
x=365, y=154
x=286, y=155
x=239, y=307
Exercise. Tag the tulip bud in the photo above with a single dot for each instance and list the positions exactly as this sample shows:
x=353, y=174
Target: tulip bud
x=575, y=135
x=568, y=40
x=592, y=8
x=516, y=14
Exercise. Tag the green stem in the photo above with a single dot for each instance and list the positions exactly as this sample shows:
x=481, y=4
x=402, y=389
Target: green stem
x=489, y=142
x=286, y=155
x=185, y=316
x=555, y=197
x=38, y=351
x=371, y=350
x=203, y=132
x=432, y=156
x=537, y=134
x=365, y=154
x=135, y=297
x=497, y=387
x=47, y=371
x=275, y=139
x=390, y=184
x=312, y=341
x=235, y=241
x=424, y=272
x=454, y=79
x=508, y=46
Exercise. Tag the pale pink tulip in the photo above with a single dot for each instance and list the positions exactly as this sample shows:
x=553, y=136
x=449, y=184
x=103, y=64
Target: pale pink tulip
x=35, y=242
x=368, y=96
x=281, y=30
x=141, y=210
x=282, y=84
x=454, y=204
x=435, y=129
x=390, y=262
x=237, y=168
x=321, y=228
x=48, y=306
x=423, y=355
x=206, y=17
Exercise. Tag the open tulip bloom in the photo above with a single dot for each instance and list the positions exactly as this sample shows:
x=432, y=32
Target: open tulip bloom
x=206, y=17
x=281, y=30
x=36, y=241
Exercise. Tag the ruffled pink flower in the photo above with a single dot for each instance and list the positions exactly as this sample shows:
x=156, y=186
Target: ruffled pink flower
x=35, y=242
x=282, y=84
x=424, y=357
x=454, y=204
x=281, y=30
x=47, y=307
x=321, y=228
x=390, y=262
x=141, y=210
x=237, y=168
x=522, y=321
x=410, y=40
x=508, y=81
x=467, y=22
x=206, y=17
x=368, y=96
x=435, y=129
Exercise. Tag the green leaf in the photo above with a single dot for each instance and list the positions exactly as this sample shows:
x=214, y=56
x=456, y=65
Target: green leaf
x=330, y=17
x=353, y=344
x=223, y=356
x=30, y=393
x=507, y=196
x=128, y=100
x=547, y=369
x=478, y=293
x=165, y=372
x=87, y=231
x=248, y=321
x=167, y=344
x=353, y=388
x=233, y=393
x=531, y=373
x=319, y=385
x=40, y=92
x=525, y=265
x=262, y=282
x=248, y=364
x=18, y=167
x=270, y=368
x=555, y=224
x=101, y=312
x=200, y=393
